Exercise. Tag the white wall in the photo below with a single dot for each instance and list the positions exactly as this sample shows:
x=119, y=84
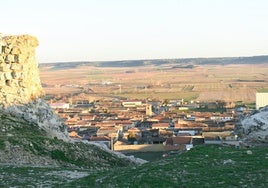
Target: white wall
x=261, y=100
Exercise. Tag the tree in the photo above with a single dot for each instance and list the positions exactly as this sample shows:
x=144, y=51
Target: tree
x=131, y=137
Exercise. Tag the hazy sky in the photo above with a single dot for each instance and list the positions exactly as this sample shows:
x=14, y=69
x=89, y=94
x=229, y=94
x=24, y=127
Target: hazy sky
x=98, y=30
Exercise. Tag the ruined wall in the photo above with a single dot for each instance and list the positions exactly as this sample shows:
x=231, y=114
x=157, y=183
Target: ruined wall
x=19, y=73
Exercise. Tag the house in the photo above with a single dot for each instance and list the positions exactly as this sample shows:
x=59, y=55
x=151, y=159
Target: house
x=156, y=140
x=162, y=119
x=101, y=140
x=74, y=134
x=136, y=131
x=160, y=125
x=103, y=123
x=212, y=105
x=186, y=133
x=229, y=125
x=222, y=117
x=190, y=117
x=81, y=123
x=178, y=143
x=200, y=118
x=190, y=125
x=125, y=124
x=72, y=121
x=87, y=117
x=60, y=105
x=88, y=131
x=131, y=103
x=231, y=137
x=108, y=131
x=193, y=131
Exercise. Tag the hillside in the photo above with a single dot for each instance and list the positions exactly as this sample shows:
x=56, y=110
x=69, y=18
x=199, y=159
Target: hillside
x=34, y=149
x=27, y=143
x=203, y=166
x=177, y=63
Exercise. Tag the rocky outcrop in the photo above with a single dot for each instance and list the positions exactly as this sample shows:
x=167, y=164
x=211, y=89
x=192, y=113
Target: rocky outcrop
x=253, y=128
x=38, y=112
x=19, y=74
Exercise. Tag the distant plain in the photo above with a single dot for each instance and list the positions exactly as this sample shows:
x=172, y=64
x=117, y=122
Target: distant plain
x=209, y=82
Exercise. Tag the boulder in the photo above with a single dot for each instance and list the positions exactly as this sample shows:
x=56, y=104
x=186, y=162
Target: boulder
x=253, y=128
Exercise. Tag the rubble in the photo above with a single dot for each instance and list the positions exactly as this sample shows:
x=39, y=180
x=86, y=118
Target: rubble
x=253, y=128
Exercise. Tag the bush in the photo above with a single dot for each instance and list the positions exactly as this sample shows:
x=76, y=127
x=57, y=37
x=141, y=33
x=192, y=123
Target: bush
x=2, y=145
x=59, y=155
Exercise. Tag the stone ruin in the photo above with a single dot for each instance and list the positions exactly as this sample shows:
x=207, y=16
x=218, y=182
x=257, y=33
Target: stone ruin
x=19, y=73
x=20, y=86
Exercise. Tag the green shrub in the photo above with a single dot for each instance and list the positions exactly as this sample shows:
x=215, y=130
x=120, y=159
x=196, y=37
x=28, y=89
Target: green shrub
x=2, y=145
x=59, y=155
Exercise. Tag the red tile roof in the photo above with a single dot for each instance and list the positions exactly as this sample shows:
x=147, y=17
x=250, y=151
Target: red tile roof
x=181, y=140
x=100, y=138
x=160, y=125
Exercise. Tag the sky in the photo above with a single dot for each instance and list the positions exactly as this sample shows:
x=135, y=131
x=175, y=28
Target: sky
x=109, y=30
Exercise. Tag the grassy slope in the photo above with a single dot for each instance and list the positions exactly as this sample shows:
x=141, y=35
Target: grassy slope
x=204, y=166
x=32, y=141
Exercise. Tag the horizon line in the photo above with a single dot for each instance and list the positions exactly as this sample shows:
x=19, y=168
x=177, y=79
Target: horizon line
x=151, y=59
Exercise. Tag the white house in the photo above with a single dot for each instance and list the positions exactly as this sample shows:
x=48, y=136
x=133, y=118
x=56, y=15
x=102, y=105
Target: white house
x=60, y=105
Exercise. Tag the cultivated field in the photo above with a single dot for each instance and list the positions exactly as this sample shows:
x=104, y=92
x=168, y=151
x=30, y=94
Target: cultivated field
x=234, y=82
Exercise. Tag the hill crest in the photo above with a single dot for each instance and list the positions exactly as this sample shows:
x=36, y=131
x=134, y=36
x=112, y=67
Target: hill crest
x=176, y=63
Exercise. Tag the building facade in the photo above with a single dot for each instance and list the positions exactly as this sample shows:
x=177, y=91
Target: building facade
x=261, y=100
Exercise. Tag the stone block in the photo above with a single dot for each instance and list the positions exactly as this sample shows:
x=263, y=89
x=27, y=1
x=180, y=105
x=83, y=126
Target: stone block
x=19, y=67
x=14, y=83
x=23, y=84
x=16, y=75
x=20, y=85
x=22, y=76
x=2, y=77
x=2, y=59
x=21, y=58
x=8, y=67
x=2, y=83
x=15, y=50
x=2, y=49
x=16, y=58
x=14, y=66
x=3, y=68
x=6, y=49
x=8, y=75
x=9, y=58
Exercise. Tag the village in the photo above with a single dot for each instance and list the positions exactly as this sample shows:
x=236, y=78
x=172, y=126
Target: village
x=146, y=125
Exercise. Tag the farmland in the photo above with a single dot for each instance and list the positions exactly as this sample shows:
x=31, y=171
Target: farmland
x=209, y=82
